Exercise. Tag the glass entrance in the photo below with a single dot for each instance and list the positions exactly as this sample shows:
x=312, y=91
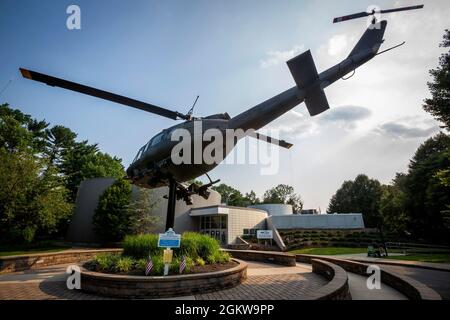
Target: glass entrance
x=215, y=226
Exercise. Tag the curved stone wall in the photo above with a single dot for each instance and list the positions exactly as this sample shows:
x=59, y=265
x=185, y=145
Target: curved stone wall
x=141, y=287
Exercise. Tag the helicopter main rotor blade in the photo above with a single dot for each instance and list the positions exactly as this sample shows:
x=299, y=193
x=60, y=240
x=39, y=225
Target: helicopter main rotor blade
x=366, y=14
x=57, y=82
x=351, y=16
x=403, y=9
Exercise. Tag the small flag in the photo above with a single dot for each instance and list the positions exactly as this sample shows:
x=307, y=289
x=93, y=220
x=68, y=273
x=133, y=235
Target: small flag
x=183, y=264
x=149, y=266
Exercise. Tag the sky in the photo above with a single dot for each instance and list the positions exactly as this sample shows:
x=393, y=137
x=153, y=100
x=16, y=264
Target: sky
x=231, y=53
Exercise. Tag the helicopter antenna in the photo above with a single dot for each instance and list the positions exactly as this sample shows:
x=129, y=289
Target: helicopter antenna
x=191, y=110
x=373, y=12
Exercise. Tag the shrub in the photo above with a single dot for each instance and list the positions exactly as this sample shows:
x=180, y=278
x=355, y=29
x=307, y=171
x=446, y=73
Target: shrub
x=124, y=264
x=105, y=262
x=198, y=245
x=200, y=262
x=141, y=246
x=112, y=219
x=197, y=248
x=175, y=265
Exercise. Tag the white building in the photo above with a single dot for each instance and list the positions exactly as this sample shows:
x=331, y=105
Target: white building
x=225, y=223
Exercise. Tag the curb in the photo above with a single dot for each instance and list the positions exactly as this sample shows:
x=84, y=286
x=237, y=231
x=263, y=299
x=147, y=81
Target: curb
x=411, y=288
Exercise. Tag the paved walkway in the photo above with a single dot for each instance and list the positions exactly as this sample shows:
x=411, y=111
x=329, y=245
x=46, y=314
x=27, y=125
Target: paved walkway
x=271, y=282
x=437, y=280
x=265, y=281
x=359, y=291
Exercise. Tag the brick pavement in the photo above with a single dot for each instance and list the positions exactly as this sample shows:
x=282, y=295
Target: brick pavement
x=265, y=281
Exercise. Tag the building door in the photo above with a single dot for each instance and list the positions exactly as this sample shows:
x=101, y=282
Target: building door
x=215, y=226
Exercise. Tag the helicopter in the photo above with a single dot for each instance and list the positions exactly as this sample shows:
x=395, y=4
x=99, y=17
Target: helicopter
x=153, y=166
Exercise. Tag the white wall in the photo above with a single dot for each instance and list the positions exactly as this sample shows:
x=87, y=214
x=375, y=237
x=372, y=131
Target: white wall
x=274, y=209
x=244, y=218
x=318, y=221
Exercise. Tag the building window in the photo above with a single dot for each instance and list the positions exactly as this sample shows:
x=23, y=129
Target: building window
x=223, y=222
x=250, y=232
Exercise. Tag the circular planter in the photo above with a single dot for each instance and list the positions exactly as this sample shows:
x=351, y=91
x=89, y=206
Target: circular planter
x=140, y=287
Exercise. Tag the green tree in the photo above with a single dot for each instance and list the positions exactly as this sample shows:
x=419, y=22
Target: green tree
x=284, y=194
x=251, y=198
x=228, y=194
x=112, y=218
x=60, y=140
x=426, y=196
x=392, y=209
x=32, y=201
x=84, y=161
x=140, y=212
x=19, y=131
x=361, y=195
x=439, y=103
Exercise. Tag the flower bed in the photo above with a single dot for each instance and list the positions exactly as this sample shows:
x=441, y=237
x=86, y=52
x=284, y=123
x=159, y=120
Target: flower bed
x=201, y=253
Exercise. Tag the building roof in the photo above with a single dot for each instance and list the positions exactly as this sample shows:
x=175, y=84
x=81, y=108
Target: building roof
x=219, y=209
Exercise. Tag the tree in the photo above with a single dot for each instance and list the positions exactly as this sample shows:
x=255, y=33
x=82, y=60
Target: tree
x=84, y=161
x=361, y=195
x=230, y=196
x=392, y=209
x=426, y=196
x=251, y=198
x=439, y=103
x=112, y=218
x=19, y=131
x=60, y=140
x=33, y=202
x=140, y=212
x=284, y=194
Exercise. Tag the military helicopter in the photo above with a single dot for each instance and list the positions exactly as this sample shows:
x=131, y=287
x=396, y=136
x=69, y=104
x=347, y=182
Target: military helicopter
x=153, y=166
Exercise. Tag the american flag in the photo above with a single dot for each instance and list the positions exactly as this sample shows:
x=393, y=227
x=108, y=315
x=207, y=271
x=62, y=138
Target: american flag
x=149, y=266
x=183, y=264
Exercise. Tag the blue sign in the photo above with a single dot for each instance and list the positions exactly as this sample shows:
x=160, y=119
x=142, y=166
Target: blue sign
x=169, y=239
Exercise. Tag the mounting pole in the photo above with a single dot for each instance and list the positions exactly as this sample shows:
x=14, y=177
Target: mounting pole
x=171, y=201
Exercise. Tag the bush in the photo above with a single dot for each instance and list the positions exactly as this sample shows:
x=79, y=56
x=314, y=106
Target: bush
x=197, y=248
x=141, y=246
x=198, y=245
x=105, y=262
x=112, y=217
x=124, y=264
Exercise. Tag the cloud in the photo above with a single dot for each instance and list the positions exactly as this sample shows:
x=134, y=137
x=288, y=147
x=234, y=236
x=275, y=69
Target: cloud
x=348, y=114
x=337, y=44
x=405, y=131
x=276, y=57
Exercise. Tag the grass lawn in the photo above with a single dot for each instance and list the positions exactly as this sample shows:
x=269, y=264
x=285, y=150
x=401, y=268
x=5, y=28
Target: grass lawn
x=329, y=250
x=424, y=257
x=19, y=250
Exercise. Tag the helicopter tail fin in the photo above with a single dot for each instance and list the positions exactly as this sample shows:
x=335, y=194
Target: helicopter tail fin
x=371, y=40
x=305, y=74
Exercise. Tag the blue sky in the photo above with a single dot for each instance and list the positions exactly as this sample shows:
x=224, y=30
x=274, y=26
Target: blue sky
x=231, y=54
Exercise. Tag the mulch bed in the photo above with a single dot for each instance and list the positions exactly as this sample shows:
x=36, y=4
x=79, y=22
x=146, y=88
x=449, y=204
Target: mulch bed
x=196, y=269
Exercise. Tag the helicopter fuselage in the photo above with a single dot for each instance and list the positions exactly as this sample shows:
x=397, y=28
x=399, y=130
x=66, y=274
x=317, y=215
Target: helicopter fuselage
x=153, y=165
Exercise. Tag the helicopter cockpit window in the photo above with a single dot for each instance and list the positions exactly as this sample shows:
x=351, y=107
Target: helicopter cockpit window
x=138, y=154
x=157, y=139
